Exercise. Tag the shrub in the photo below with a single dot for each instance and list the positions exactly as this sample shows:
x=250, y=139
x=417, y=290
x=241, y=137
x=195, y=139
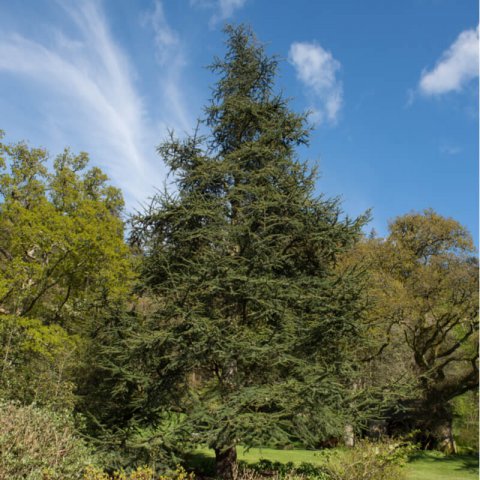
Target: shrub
x=249, y=474
x=140, y=473
x=38, y=444
x=371, y=461
x=282, y=471
x=465, y=423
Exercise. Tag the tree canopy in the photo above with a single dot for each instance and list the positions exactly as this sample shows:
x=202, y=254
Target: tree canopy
x=62, y=260
x=423, y=293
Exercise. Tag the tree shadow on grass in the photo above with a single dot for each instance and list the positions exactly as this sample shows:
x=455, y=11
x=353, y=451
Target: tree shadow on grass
x=467, y=462
x=201, y=463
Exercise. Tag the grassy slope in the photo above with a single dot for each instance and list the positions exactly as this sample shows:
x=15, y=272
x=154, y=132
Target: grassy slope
x=425, y=466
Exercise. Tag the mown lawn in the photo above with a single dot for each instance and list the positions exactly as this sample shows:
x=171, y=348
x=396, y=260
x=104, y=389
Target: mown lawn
x=433, y=466
x=284, y=456
x=423, y=466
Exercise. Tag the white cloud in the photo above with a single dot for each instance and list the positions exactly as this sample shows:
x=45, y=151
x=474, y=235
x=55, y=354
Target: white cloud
x=317, y=69
x=89, y=84
x=224, y=9
x=457, y=66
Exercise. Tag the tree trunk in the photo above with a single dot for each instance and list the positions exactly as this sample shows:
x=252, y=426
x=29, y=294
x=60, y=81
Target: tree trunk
x=442, y=434
x=434, y=419
x=349, y=436
x=431, y=418
x=226, y=463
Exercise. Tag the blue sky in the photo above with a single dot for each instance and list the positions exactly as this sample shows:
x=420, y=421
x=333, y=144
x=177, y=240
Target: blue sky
x=392, y=86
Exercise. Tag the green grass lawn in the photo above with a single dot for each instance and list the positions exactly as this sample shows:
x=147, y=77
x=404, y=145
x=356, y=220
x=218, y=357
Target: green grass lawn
x=423, y=466
x=433, y=466
x=284, y=456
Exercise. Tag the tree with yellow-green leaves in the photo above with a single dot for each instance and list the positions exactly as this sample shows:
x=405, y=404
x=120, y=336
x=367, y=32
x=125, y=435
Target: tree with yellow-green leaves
x=423, y=297
x=63, y=260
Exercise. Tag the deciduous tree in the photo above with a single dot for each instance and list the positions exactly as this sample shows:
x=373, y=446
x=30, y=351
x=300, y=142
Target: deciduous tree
x=63, y=258
x=424, y=313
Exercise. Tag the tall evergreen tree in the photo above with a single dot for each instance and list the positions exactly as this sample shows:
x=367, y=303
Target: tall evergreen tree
x=252, y=327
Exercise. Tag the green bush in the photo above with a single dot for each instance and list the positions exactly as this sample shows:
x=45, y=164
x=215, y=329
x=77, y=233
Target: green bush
x=465, y=423
x=371, y=461
x=39, y=444
x=287, y=470
x=140, y=473
x=249, y=474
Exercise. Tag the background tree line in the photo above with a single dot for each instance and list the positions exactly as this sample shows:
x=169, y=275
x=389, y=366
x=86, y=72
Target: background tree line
x=243, y=309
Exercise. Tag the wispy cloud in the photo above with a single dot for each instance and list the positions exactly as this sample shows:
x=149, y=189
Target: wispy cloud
x=167, y=40
x=457, y=66
x=93, y=84
x=170, y=56
x=317, y=69
x=451, y=150
x=223, y=9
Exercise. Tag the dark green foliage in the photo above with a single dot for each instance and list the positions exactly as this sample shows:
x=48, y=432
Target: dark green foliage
x=113, y=400
x=250, y=329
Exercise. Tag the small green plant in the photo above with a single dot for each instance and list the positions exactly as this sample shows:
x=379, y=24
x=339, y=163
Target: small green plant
x=94, y=473
x=140, y=473
x=178, y=474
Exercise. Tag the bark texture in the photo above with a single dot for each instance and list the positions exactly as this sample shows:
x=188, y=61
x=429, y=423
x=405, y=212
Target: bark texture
x=226, y=463
x=349, y=436
x=440, y=429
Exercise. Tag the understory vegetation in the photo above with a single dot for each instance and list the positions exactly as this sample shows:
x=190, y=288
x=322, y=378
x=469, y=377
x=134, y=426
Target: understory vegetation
x=240, y=311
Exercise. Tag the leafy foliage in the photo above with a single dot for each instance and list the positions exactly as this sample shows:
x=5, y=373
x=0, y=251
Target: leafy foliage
x=465, y=422
x=63, y=260
x=372, y=461
x=40, y=444
x=140, y=473
x=288, y=470
x=38, y=362
x=424, y=305
x=61, y=236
